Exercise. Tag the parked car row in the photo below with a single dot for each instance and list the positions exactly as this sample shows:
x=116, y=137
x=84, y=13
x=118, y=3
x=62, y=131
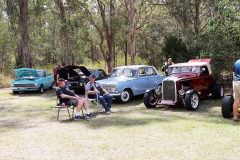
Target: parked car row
x=186, y=84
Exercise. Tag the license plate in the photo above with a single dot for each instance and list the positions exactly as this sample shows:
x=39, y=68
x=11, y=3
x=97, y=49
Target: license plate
x=22, y=88
x=167, y=101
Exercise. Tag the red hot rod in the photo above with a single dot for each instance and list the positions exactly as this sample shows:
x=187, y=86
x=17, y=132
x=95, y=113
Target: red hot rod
x=186, y=85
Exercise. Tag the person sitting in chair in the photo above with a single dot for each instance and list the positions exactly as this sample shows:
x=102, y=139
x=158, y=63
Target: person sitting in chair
x=94, y=90
x=68, y=97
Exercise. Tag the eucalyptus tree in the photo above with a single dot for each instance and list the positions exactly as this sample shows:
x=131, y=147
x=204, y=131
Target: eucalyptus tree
x=17, y=11
x=7, y=44
x=106, y=29
x=139, y=13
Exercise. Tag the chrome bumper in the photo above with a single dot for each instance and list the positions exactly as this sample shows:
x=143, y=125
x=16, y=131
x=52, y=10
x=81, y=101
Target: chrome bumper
x=23, y=88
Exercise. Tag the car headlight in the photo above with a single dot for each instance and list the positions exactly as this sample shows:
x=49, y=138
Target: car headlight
x=12, y=84
x=158, y=92
x=35, y=83
x=114, y=89
x=181, y=92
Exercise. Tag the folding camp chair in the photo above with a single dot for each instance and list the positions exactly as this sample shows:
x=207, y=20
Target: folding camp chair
x=67, y=106
x=93, y=100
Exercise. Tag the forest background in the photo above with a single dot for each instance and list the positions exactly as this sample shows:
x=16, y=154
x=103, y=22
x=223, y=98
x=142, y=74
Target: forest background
x=110, y=33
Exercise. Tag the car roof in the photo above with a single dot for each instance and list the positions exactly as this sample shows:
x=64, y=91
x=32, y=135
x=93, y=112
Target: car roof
x=193, y=64
x=132, y=66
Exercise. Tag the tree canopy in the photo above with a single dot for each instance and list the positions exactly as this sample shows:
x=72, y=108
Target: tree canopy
x=116, y=32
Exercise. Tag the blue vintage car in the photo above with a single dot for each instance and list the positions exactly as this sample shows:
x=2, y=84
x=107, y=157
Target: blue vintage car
x=31, y=80
x=132, y=80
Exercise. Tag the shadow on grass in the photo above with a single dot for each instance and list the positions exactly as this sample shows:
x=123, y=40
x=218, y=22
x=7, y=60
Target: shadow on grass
x=133, y=113
x=48, y=93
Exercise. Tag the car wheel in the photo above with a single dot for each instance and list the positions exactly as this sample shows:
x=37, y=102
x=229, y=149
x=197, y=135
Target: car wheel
x=192, y=100
x=52, y=86
x=227, y=107
x=40, y=89
x=150, y=99
x=126, y=96
x=15, y=92
x=217, y=91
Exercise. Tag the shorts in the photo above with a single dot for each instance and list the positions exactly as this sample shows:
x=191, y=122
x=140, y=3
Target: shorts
x=74, y=102
x=236, y=90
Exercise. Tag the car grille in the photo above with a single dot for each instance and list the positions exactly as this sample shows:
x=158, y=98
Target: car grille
x=107, y=87
x=169, y=90
x=24, y=85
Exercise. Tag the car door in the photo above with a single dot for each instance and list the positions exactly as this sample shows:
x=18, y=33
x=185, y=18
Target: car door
x=45, y=80
x=205, y=80
x=142, y=81
x=152, y=77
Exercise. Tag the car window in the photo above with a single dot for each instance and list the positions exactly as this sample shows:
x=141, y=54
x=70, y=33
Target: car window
x=44, y=74
x=204, y=70
x=40, y=74
x=141, y=72
x=150, y=72
x=101, y=75
x=117, y=72
x=124, y=72
x=127, y=72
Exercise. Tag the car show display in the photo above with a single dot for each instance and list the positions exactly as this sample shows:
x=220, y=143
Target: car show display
x=31, y=80
x=132, y=80
x=186, y=85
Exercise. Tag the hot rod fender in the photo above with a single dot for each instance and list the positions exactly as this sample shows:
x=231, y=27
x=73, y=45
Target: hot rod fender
x=150, y=90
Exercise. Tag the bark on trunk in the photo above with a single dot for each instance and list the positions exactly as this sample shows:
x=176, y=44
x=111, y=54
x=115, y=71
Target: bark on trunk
x=64, y=36
x=132, y=31
x=24, y=32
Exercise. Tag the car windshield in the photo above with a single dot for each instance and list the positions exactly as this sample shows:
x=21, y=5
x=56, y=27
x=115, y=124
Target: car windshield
x=123, y=72
x=184, y=69
x=40, y=73
x=93, y=72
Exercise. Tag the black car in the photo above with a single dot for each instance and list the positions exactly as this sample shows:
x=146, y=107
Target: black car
x=80, y=75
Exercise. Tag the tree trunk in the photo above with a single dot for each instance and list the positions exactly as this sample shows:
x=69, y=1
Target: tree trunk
x=64, y=36
x=125, y=52
x=109, y=34
x=132, y=30
x=24, y=32
x=19, y=57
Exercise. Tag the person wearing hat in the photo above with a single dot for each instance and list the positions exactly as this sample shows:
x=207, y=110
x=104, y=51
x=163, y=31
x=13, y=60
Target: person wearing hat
x=55, y=73
x=94, y=89
x=165, y=66
x=68, y=97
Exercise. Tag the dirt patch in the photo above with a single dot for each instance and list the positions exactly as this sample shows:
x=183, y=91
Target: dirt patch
x=5, y=90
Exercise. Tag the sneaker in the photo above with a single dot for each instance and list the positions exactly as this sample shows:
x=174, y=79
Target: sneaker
x=107, y=111
x=78, y=118
x=110, y=111
x=236, y=120
x=90, y=115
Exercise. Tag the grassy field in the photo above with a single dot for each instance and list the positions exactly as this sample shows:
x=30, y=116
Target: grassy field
x=29, y=130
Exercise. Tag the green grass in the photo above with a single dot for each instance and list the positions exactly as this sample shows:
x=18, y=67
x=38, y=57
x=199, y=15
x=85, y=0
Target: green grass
x=29, y=130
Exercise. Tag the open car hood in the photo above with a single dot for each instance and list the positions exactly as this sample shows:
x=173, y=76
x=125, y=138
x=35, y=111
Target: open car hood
x=74, y=73
x=26, y=72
